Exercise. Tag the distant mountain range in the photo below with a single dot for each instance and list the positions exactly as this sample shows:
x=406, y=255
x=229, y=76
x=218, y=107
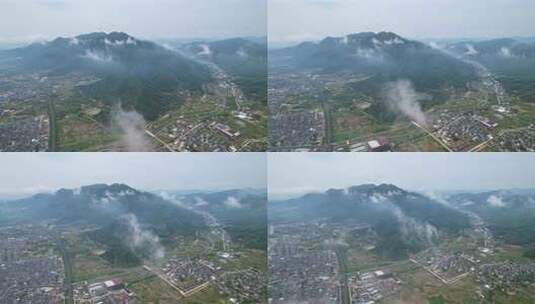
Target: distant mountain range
x=509, y=199
x=243, y=213
x=512, y=60
x=405, y=221
x=505, y=47
x=509, y=214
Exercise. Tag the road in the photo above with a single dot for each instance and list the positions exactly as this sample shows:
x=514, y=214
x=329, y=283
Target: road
x=224, y=79
x=344, y=288
x=53, y=138
x=163, y=278
x=329, y=128
x=433, y=136
x=489, y=79
x=216, y=227
x=67, y=264
x=149, y=133
x=481, y=146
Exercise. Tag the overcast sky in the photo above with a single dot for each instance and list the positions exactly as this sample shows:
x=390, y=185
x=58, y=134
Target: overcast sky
x=298, y=20
x=29, y=20
x=290, y=174
x=28, y=173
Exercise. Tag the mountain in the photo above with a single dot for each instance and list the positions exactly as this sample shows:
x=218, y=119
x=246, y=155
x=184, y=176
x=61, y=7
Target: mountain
x=128, y=222
x=504, y=47
x=509, y=214
x=512, y=60
x=102, y=203
x=357, y=202
x=404, y=221
x=242, y=212
x=510, y=199
x=386, y=55
x=244, y=59
x=139, y=74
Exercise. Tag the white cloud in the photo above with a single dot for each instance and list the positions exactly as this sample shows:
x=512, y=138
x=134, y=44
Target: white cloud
x=505, y=52
x=496, y=201
x=394, y=41
x=377, y=42
x=205, y=50
x=74, y=41
x=233, y=202
x=139, y=238
x=117, y=43
x=131, y=41
x=242, y=53
x=200, y=202
x=377, y=198
x=95, y=56
x=369, y=54
x=467, y=203
x=470, y=50
x=168, y=47
x=434, y=45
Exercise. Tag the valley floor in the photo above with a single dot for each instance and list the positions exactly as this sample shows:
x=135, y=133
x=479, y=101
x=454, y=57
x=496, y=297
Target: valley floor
x=317, y=112
x=471, y=268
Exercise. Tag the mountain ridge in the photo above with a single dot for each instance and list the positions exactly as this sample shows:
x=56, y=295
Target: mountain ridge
x=384, y=53
x=137, y=73
x=406, y=221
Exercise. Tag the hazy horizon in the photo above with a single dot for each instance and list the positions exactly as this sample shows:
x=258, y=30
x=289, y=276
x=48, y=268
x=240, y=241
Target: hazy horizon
x=427, y=40
x=25, y=174
x=161, y=41
x=30, y=21
x=311, y=20
x=295, y=174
